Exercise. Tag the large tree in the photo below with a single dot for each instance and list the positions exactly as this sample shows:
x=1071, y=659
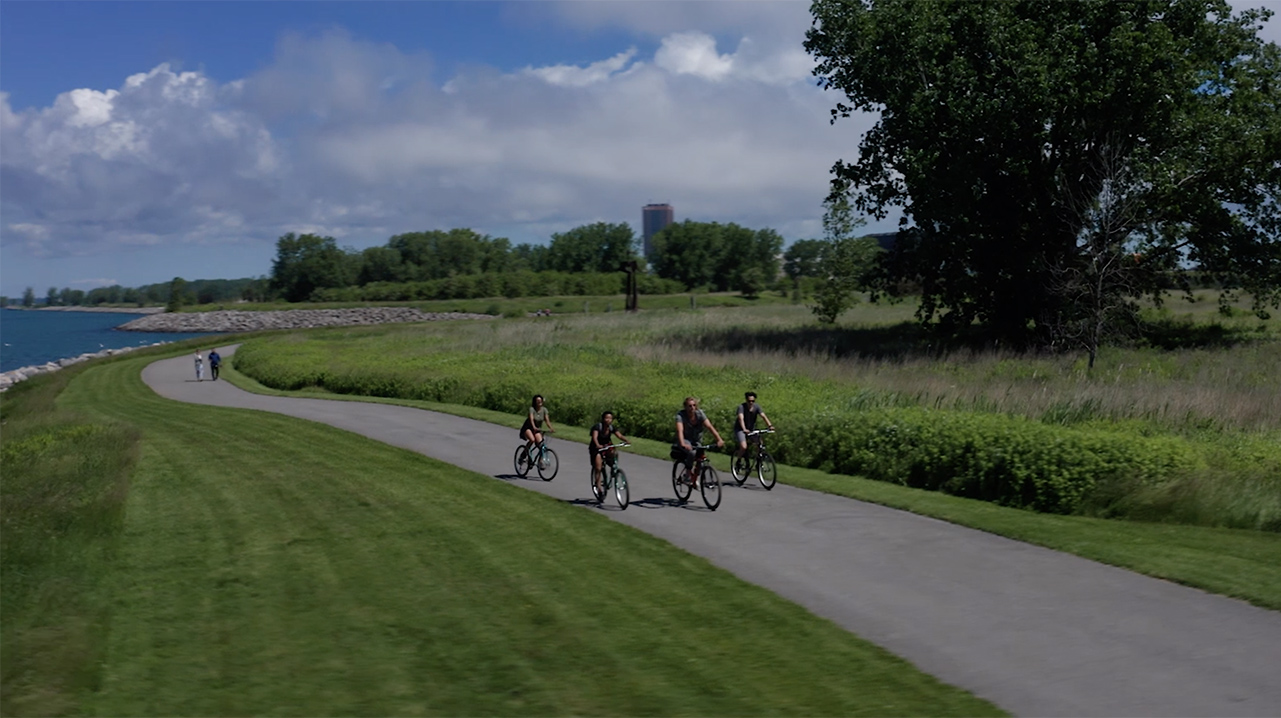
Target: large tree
x=438, y=254
x=722, y=257
x=1009, y=129
x=305, y=263
x=599, y=247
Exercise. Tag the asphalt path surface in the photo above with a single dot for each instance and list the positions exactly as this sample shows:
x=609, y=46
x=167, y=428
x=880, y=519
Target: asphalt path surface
x=1035, y=631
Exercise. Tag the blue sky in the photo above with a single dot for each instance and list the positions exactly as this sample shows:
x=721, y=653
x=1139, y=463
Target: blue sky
x=145, y=140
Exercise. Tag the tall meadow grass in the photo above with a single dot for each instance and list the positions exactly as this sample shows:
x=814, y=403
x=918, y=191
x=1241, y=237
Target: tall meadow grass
x=1185, y=435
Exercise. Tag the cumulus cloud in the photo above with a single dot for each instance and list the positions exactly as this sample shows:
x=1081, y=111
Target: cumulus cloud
x=131, y=165
x=693, y=53
x=574, y=76
x=353, y=139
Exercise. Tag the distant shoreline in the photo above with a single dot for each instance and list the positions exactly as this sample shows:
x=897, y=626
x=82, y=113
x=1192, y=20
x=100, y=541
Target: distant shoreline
x=232, y=322
x=98, y=310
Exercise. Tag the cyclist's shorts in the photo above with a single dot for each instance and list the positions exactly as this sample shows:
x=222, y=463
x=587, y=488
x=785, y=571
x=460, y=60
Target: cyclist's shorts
x=740, y=435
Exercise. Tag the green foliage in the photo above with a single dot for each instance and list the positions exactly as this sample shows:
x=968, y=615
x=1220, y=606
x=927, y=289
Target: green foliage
x=508, y=284
x=802, y=258
x=306, y=263
x=177, y=294
x=1048, y=466
x=601, y=247
x=844, y=264
x=722, y=257
x=28, y=297
x=1004, y=123
x=437, y=254
x=1011, y=462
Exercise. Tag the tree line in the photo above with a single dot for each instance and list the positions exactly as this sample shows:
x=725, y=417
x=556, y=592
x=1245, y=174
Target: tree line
x=462, y=263
x=199, y=291
x=689, y=255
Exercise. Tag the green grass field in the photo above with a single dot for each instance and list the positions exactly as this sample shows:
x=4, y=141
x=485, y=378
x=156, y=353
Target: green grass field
x=224, y=562
x=1233, y=562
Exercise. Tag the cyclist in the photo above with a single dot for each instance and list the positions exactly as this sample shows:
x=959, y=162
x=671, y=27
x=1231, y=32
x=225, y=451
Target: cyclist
x=690, y=423
x=745, y=421
x=601, y=433
x=532, y=431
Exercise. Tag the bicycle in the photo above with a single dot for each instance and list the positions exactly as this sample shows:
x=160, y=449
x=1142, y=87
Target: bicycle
x=758, y=461
x=541, y=457
x=612, y=477
x=704, y=477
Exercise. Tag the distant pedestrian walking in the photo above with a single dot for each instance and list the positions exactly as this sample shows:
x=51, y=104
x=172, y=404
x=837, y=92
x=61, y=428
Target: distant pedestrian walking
x=200, y=367
x=215, y=363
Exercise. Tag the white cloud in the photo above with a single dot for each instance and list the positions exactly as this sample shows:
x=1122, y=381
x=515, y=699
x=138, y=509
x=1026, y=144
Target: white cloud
x=352, y=139
x=693, y=53
x=574, y=76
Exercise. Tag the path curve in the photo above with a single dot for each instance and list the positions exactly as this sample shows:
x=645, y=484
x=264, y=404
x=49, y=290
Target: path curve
x=1035, y=631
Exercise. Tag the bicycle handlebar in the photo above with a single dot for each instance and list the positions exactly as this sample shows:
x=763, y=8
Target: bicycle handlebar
x=607, y=447
x=757, y=432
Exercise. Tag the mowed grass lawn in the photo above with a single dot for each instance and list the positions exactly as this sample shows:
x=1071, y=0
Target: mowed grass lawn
x=268, y=565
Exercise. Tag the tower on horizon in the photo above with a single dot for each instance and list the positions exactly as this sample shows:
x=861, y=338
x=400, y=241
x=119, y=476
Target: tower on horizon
x=654, y=217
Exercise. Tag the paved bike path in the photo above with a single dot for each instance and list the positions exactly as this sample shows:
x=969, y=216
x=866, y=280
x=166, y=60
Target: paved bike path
x=1036, y=631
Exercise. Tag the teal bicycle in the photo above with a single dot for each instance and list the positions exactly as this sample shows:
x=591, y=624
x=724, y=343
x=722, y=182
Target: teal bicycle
x=540, y=457
x=610, y=476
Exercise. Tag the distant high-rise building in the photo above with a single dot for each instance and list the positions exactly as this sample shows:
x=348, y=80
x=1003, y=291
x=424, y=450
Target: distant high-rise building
x=654, y=217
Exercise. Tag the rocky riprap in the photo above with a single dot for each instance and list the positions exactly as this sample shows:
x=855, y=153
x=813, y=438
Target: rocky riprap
x=235, y=321
x=9, y=378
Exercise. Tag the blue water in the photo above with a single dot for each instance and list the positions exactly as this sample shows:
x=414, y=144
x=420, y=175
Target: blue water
x=32, y=337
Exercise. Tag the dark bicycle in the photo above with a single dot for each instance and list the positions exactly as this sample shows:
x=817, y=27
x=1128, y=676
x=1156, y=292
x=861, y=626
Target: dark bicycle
x=540, y=456
x=703, y=476
x=755, y=460
x=612, y=477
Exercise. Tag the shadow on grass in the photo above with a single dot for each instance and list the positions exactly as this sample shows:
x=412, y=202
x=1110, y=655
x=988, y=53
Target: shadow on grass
x=907, y=340
x=882, y=342
x=1170, y=334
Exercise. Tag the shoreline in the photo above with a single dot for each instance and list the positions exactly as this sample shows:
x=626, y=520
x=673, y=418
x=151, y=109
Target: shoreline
x=227, y=322
x=93, y=310
x=21, y=374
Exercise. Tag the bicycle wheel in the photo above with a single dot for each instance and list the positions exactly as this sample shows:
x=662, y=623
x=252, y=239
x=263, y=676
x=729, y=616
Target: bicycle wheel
x=548, y=465
x=680, y=482
x=598, y=489
x=621, y=492
x=521, y=461
x=710, y=486
x=766, y=471
x=740, y=467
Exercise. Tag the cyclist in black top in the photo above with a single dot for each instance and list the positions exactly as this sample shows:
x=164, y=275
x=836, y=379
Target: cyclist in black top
x=745, y=420
x=601, y=433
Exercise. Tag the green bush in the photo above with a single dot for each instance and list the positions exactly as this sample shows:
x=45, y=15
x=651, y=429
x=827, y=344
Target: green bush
x=1106, y=470
x=1009, y=461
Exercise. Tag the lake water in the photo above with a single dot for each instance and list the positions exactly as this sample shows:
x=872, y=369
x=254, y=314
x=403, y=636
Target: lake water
x=34, y=337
